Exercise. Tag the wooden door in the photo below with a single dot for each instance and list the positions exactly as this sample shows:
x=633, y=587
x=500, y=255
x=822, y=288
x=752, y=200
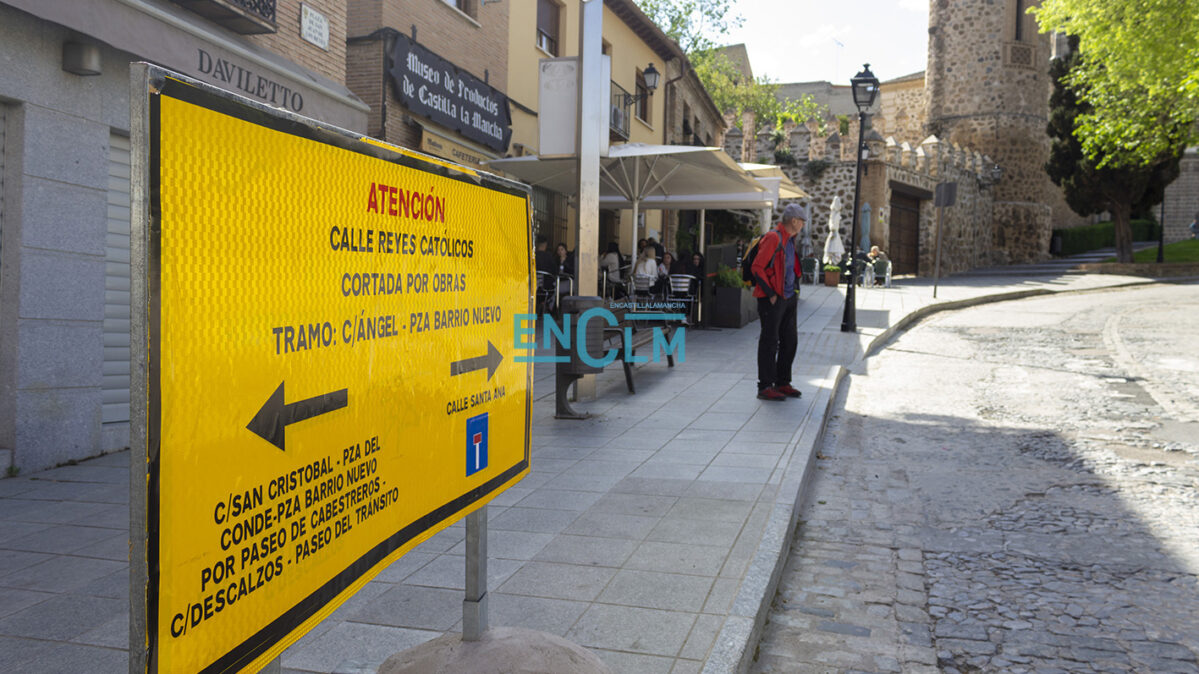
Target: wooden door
x=905, y=234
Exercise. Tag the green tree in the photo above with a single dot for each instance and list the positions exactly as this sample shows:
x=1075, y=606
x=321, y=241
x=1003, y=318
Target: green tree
x=1090, y=184
x=1140, y=77
x=690, y=23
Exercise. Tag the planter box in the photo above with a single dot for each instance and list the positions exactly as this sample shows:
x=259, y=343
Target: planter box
x=735, y=307
x=832, y=278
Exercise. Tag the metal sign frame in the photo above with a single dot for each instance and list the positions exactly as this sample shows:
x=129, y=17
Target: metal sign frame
x=149, y=85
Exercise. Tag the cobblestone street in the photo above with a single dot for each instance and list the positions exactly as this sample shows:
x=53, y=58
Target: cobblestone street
x=1008, y=488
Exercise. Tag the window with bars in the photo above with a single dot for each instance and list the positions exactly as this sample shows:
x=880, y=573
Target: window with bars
x=467, y=7
x=549, y=214
x=548, y=21
x=643, y=98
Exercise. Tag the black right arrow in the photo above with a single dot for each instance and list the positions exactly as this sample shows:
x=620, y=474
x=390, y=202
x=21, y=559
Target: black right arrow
x=275, y=416
x=488, y=362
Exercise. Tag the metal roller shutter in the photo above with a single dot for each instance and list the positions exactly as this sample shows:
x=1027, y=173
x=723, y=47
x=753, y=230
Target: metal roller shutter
x=116, y=285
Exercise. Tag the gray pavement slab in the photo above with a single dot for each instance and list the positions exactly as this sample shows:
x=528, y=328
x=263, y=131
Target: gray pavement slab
x=652, y=533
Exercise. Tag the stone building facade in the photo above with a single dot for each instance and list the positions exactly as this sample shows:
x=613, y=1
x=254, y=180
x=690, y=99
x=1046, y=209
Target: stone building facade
x=988, y=88
x=903, y=108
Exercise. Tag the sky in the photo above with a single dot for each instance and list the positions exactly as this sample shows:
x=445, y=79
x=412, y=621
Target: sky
x=806, y=40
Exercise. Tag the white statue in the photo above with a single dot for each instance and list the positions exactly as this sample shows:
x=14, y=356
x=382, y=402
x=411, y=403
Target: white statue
x=833, y=247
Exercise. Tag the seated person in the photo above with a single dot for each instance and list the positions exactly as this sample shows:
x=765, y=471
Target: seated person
x=696, y=269
x=875, y=254
x=610, y=265
x=542, y=257
x=564, y=264
x=647, y=265
x=665, y=269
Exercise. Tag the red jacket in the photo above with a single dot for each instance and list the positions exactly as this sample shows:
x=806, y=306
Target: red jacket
x=768, y=275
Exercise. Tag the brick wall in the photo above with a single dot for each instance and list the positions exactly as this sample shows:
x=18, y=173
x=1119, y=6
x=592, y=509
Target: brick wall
x=476, y=45
x=363, y=17
x=365, y=75
x=288, y=43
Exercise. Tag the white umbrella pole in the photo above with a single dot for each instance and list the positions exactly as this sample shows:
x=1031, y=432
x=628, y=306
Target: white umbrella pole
x=637, y=233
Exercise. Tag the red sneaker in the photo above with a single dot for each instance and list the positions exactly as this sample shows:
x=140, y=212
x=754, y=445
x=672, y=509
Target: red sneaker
x=788, y=390
x=770, y=394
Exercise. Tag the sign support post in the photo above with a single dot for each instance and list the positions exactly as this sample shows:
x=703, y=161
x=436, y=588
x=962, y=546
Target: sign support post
x=139, y=129
x=474, y=607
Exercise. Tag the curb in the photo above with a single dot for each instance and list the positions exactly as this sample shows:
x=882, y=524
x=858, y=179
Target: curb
x=743, y=626
x=736, y=645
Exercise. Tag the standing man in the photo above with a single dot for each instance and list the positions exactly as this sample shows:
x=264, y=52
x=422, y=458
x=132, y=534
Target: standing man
x=775, y=270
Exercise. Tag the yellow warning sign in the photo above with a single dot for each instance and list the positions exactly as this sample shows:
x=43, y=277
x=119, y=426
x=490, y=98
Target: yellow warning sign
x=331, y=376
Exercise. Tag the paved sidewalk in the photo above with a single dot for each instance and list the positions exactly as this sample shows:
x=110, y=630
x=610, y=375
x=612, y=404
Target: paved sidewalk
x=653, y=533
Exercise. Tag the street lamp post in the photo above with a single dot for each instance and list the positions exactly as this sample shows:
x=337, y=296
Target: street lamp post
x=865, y=90
x=651, y=76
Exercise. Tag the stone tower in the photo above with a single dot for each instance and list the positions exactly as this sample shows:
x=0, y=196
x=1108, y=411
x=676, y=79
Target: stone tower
x=988, y=89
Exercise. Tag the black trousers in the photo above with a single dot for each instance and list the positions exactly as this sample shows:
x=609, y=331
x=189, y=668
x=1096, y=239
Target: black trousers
x=776, y=345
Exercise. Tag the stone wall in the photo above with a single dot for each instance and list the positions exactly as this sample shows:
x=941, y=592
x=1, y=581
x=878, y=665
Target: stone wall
x=1182, y=198
x=904, y=106
x=969, y=239
x=732, y=140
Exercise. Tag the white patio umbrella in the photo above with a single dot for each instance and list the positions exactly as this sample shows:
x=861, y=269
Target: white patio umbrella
x=771, y=176
x=773, y=182
x=640, y=176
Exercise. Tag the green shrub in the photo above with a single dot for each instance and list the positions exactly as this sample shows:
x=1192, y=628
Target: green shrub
x=727, y=277
x=1179, y=251
x=815, y=168
x=1077, y=240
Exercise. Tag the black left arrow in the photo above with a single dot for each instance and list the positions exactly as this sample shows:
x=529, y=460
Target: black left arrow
x=275, y=416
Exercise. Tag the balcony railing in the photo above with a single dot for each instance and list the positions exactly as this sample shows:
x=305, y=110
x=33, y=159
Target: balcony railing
x=248, y=17
x=618, y=121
